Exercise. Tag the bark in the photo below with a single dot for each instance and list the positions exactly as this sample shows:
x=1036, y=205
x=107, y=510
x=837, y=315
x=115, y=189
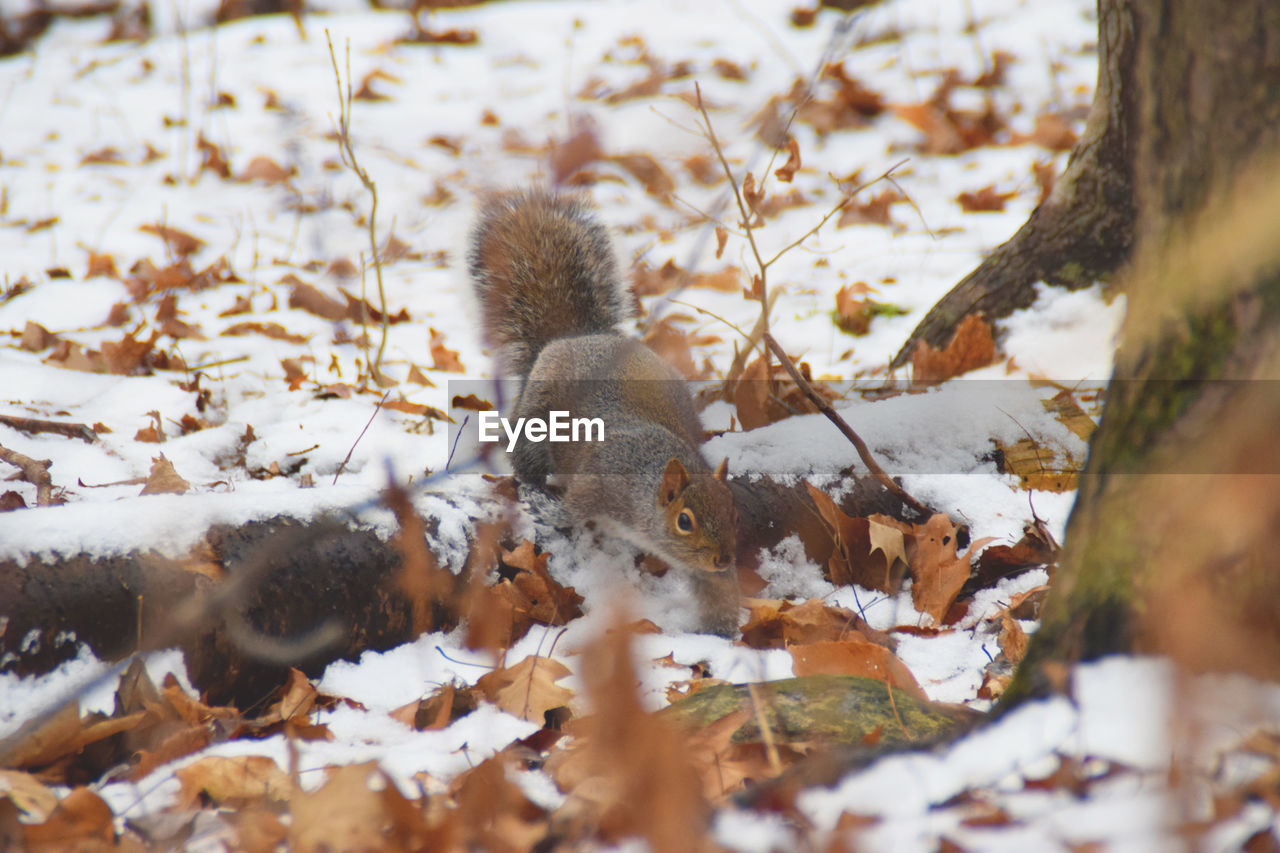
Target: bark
x=258, y=599
x=1083, y=231
x=1170, y=547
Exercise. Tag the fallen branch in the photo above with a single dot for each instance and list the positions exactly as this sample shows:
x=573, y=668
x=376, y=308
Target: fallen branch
x=34, y=471
x=35, y=425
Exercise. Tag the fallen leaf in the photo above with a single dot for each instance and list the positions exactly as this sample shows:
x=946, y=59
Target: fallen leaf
x=527, y=689
x=854, y=656
x=985, y=199
x=179, y=242
x=938, y=571
x=314, y=301
x=971, y=347
x=443, y=358
x=266, y=170
x=163, y=479
x=232, y=782
x=270, y=330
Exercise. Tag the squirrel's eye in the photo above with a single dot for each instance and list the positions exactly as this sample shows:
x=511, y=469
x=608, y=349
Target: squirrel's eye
x=684, y=521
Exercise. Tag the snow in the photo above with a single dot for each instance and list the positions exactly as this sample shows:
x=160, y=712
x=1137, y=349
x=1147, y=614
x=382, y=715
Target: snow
x=73, y=95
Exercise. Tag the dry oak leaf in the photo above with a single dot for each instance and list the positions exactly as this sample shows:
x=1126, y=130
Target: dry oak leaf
x=443, y=358
x=35, y=800
x=646, y=170
x=80, y=820
x=854, y=656
x=938, y=571
x=266, y=170
x=1012, y=639
x=179, y=242
x=360, y=311
x=1038, y=467
x=778, y=624
x=36, y=337
x=366, y=91
x=751, y=395
x=852, y=560
x=647, y=281
x=985, y=199
x=571, y=155
x=234, y=781
x=534, y=595
x=874, y=211
x=163, y=479
x=971, y=347
x=528, y=689
x=270, y=330
x=313, y=300
x=128, y=355
x=787, y=170
x=101, y=264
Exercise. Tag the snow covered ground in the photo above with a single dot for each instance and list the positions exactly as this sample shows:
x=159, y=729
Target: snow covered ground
x=225, y=134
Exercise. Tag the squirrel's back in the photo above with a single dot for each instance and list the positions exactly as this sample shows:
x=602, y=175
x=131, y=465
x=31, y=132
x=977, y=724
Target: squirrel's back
x=543, y=269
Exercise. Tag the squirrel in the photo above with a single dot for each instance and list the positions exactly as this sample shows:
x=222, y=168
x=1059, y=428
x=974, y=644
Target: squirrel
x=550, y=296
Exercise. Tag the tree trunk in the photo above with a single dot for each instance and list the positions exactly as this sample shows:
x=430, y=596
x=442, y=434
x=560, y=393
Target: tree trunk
x=1083, y=231
x=1171, y=545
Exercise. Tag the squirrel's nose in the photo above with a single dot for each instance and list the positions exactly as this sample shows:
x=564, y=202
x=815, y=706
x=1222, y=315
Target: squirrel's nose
x=722, y=561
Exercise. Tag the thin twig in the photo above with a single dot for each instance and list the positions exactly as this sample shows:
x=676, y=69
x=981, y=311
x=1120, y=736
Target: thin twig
x=864, y=452
x=766, y=733
x=376, y=409
x=883, y=176
x=34, y=471
x=348, y=153
x=34, y=425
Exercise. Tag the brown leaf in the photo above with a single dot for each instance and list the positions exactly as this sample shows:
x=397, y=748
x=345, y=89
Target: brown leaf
x=971, y=347
x=163, y=479
x=106, y=155
x=728, y=70
x=270, y=330
x=443, y=358
x=852, y=560
x=938, y=571
x=314, y=301
x=874, y=211
x=787, y=170
x=1013, y=640
x=534, y=595
x=854, y=656
x=79, y=820
x=471, y=403
x=646, y=170
x=773, y=625
x=985, y=199
x=36, y=337
x=527, y=689
x=366, y=92
x=232, y=782
x=213, y=158
x=266, y=170
x=294, y=375
x=1038, y=467
x=178, y=242
x=574, y=153
x=103, y=265
x=128, y=355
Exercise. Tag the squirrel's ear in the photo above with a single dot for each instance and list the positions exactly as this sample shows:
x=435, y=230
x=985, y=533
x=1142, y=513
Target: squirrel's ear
x=674, y=479
x=722, y=470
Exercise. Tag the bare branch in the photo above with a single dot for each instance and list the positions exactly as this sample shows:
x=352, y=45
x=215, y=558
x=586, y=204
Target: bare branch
x=34, y=471
x=864, y=452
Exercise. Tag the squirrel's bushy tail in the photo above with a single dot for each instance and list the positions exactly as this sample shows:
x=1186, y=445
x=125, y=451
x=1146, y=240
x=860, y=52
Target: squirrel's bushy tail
x=543, y=269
